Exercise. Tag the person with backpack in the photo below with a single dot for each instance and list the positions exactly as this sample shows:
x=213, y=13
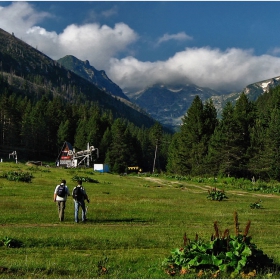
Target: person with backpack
x=60, y=196
x=79, y=195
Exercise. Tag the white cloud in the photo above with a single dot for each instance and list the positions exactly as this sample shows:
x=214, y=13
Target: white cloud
x=94, y=16
x=232, y=69
x=275, y=51
x=181, y=36
x=20, y=16
x=87, y=42
x=94, y=42
x=110, y=12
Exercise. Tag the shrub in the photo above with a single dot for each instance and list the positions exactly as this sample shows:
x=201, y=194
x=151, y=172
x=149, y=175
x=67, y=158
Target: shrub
x=225, y=254
x=215, y=194
x=18, y=176
x=84, y=179
x=256, y=205
x=11, y=243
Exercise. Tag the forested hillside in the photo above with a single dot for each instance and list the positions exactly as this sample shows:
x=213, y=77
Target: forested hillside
x=37, y=130
x=29, y=72
x=245, y=142
x=42, y=104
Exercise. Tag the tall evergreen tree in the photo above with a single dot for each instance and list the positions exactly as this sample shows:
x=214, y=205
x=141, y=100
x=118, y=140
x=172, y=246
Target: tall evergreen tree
x=192, y=140
x=104, y=146
x=223, y=153
x=118, y=154
x=271, y=153
x=174, y=160
x=244, y=115
x=63, y=133
x=81, y=135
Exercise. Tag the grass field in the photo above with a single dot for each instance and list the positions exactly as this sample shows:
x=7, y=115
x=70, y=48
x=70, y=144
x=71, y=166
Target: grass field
x=133, y=223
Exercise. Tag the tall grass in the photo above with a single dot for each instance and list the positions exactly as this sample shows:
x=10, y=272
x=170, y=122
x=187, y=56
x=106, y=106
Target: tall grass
x=133, y=222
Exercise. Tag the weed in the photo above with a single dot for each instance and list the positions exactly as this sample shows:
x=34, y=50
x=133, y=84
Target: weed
x=235, y=255
x=256, y=205
x=11, y=243
x=215, y=194
x=18, y=176
x=102, y=267
x=84, y=179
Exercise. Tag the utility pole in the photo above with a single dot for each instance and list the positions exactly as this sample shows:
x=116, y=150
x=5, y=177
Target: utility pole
x=88, y=156
x=155, y=156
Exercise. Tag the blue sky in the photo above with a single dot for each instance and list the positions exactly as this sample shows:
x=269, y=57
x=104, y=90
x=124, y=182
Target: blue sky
x=223, y=45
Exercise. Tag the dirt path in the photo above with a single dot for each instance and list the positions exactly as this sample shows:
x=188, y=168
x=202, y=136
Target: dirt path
x=193, y=187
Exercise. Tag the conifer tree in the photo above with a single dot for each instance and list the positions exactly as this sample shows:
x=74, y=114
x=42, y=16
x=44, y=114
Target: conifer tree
x=223, y=153
x=244, y=115
x=63, y=133
x=118, y=153
x=174, y=165
x=192, y=142
x=271, y=153
x=261, y=146
x=190, y=137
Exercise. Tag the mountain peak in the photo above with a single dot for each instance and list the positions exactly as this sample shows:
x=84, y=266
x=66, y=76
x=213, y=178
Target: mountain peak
x=88, y=72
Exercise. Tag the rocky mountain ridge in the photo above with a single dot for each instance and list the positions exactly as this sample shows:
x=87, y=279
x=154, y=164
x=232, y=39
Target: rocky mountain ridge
x=168, y=104
x=253, y=91
x=88, y=72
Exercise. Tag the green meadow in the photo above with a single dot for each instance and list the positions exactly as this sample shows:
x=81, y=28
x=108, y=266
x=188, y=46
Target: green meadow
x=134, y=222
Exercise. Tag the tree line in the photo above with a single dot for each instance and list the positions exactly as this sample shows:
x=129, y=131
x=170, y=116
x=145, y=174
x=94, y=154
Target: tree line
x=37, y=129
x=244, y=142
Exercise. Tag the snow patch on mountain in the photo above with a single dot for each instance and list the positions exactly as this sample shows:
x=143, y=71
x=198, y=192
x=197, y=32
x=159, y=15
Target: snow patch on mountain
x=175, y=90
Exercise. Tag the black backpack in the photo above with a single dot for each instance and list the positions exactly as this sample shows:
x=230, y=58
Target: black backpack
x=61, y=191
x=78, y=193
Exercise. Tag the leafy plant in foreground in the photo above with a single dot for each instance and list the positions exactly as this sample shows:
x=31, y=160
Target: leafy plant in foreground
x=256, y=205
x=223, y=254
x=215, y=194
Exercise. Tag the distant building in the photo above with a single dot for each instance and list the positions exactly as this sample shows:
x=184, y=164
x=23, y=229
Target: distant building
x=103, y=168
x=64, y=158
x=68, y=157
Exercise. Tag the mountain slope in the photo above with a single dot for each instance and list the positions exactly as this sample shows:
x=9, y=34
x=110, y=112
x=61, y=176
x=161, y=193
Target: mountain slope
x=253, y=91
x=168, y=104
x=34, y=74
x=88, y=72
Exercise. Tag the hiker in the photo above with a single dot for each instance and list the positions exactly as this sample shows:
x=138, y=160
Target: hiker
x=79, y=195
x=60, y=196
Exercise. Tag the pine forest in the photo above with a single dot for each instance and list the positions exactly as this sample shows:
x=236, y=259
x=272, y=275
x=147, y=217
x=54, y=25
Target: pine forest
x=244, y=142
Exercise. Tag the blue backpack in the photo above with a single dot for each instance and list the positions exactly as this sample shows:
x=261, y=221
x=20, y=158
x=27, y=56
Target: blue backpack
x=61, y=191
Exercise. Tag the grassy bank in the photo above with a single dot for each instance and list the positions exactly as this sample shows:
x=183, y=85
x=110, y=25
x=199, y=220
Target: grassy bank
x=133, y=223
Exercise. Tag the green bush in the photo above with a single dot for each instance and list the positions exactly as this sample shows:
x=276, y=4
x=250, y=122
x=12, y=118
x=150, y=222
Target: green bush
x=11, y=243
x=215, y=194
x=84, y=179
x=256, y=205
x=224, y=254
x=18, y=176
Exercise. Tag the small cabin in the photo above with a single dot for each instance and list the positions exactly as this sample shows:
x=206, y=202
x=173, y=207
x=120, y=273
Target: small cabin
x=101, y=168
x=65, y=156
